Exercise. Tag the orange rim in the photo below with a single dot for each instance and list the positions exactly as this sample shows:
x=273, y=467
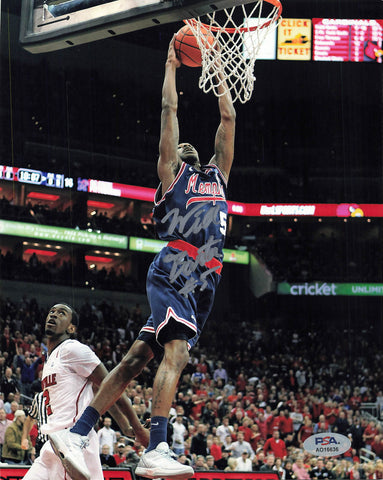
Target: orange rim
x=276, y=3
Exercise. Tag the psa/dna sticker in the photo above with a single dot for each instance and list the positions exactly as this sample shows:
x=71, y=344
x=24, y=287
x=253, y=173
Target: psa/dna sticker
x=327, y=444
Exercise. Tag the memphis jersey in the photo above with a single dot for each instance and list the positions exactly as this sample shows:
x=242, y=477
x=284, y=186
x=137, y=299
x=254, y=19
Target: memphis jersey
x=194, y=208
x=67, y=390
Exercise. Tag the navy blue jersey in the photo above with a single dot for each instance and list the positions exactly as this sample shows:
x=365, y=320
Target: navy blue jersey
x=194, y=208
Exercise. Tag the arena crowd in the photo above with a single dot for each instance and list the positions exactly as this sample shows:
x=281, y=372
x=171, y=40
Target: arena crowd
x=243, y=405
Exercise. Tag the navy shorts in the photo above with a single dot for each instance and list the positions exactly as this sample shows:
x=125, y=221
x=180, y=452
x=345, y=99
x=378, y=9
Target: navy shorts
x=176, y=315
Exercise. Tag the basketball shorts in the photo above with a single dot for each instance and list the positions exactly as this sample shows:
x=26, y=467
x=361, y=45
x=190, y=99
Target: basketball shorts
x=180, y=303
x=48, y=466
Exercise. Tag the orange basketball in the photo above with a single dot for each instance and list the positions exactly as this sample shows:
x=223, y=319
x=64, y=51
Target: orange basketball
x=186, y=46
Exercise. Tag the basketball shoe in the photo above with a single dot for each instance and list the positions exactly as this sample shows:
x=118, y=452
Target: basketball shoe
x=159, y=463
x=68, y=447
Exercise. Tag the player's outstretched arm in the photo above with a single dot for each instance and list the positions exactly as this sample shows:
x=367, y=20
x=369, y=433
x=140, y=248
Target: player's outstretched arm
x=169, y=136
x=123, y=412
x=224, y=138
x=27, y=426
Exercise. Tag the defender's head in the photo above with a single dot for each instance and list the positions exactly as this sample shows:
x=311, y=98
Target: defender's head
x=61, y=318
x=188, y=154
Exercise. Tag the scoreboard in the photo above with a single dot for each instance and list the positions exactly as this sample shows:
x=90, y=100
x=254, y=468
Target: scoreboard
x=347, y=40
x=35, y=177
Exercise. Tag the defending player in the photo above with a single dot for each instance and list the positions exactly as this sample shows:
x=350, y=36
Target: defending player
x=190, y=212
x=68, y=374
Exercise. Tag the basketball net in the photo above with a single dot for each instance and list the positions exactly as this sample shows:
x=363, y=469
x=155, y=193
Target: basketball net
x=239, y=33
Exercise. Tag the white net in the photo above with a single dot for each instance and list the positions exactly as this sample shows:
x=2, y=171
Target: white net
x=229, y=60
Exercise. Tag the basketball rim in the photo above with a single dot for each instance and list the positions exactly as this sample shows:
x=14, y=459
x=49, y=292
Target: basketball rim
x=231, y=30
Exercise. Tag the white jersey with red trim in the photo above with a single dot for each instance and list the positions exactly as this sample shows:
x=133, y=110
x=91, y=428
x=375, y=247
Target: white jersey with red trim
x=66, y=388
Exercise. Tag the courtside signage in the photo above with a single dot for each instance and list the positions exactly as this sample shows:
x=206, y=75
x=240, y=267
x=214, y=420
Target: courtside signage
x=218, y=475
x=327, y=445
x=9, y=472
x=324, y=289
x=60, y=234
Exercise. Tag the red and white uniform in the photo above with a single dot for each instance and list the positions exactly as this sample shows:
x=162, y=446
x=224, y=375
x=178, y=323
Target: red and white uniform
x=67, y=392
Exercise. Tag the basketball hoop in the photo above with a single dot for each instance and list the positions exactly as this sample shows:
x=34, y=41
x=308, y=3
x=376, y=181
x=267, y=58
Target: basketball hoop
x=239, y=32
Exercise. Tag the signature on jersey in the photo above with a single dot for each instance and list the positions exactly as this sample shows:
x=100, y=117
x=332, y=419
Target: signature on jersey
x=185, y=267
x=198, y=215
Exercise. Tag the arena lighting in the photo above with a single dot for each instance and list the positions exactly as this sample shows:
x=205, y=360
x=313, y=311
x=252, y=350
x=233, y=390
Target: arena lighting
x=43, y=196
x=92, y=258
x=97, y=204
x=43, y=253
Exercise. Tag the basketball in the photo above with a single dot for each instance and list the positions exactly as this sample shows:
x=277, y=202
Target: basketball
x=186, y=46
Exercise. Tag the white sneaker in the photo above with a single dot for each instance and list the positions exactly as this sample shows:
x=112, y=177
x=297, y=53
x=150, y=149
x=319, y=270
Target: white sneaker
x=68, y=447
x=159, y=463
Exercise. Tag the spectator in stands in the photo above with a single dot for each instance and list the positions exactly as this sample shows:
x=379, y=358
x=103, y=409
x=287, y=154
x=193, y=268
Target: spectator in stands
x=305, y=431
x=244, y=464
x=224, y=430
x=107, y=460
x=297, y=418
x=369, y=434
x=14, y=408
x=28, y=369
x=301, y=470
x=289, y=472
x=210, y=463
x=8, y=383
x=12, y=450
x=319, y=471
x=120, y=456
x=220, y=372
x=286, y=424
x=262, y=424
x=377, y=446
x=240, y=446
x=341, y=424
x=222, y=463
x=269, y=463
x=276, y=445
x=4, y=424
x=231, y=465
x=107, y=436
x=322, y=425
x=200, y=463
x=356, y=430
x=179, y=434
x=198, y=442
x=255, y=437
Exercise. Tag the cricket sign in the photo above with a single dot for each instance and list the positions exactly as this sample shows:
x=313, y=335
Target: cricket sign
x=327, y=444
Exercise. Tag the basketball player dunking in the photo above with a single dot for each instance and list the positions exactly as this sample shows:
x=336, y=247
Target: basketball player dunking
x=190, y=213
x=68, y=374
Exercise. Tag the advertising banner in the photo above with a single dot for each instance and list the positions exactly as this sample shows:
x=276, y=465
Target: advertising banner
x=330, y=289
x=294, y=39
x=17, y=473
x=61, y=234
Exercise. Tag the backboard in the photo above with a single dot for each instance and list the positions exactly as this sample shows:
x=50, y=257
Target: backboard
x=48, y=25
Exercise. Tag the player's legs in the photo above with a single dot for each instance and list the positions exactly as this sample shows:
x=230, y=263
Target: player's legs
x=174, y=361
x=157, y=460
x=69, y=444
x=47, y=466
x=92, y=457
x=115, y=383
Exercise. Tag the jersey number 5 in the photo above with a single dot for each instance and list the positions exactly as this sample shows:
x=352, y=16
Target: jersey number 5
x=48, y=408
x=222, y=221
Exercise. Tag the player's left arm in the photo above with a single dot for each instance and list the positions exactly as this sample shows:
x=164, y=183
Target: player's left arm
x=123, y=412
x=224, y=138
x=27, y=426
